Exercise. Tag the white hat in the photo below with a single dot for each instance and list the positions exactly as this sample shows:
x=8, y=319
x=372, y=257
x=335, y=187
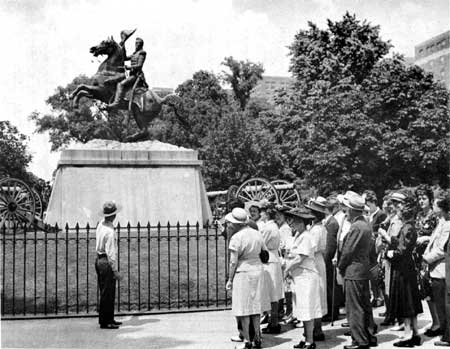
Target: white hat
x=238, y=215
x=347, y=194
x=355, y=202
x=398, y=197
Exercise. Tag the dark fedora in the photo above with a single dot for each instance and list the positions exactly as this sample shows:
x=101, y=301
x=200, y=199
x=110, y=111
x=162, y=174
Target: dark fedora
x=300, y=212
x=110, y=208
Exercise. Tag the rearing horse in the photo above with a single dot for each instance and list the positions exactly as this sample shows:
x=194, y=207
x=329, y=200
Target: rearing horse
x=145, y=104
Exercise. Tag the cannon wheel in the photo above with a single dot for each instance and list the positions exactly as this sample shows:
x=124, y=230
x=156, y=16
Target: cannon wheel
x=39, y=207
x=287, y=197
x=17, y=202
x=256, y=189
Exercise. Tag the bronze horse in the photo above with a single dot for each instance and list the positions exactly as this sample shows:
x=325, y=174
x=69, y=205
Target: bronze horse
x=145, y=104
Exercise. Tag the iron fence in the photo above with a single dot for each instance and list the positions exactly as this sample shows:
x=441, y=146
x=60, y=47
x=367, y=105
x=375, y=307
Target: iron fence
x=164, y=268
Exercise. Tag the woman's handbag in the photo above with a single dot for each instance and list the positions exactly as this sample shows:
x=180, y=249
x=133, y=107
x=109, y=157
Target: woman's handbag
x=424, y=281
x=264, y=256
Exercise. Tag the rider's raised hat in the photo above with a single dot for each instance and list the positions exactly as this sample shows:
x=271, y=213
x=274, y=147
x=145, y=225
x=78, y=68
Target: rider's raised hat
x=127, y=33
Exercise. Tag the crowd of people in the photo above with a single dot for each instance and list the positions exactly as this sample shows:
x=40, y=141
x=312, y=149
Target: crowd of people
x=341, y=254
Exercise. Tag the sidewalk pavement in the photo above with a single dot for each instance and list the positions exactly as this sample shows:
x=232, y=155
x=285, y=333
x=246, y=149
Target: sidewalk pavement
x=187, y=330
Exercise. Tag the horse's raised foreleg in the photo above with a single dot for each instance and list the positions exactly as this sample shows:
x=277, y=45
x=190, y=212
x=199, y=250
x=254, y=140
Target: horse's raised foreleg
x=81, y=93
x=77, y=90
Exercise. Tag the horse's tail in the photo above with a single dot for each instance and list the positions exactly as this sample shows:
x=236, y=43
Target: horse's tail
x=176, y=102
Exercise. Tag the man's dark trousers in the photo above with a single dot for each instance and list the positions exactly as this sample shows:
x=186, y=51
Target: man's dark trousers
x=358, y=309
x=107, y=285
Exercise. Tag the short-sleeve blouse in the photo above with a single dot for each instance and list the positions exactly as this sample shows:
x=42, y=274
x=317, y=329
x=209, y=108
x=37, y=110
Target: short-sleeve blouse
x=304, y=245
x=248, y=243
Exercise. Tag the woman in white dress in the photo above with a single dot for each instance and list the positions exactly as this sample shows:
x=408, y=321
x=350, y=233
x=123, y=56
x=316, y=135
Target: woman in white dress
x=301, y=268
x=273, y=273
x=246, y=273
x=318, y=233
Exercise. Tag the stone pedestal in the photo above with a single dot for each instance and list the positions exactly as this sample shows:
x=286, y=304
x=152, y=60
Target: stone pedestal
x=152, y=181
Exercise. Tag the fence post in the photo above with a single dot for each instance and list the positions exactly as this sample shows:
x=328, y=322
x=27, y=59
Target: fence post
x=24, y=226
x=128, y=266
x=87, y=267
x=148, y=267
x=207, y=265
x=187, y=253
x=198, y=265
x=14, y=270
x=178, y=264
x=139, y=264
x=35, y=270
x=56, y=268
x=216, y=238
x=67, y=268
x=77, y=244
x=118, y=268
x=168, y=264
x=3, y=266
x=159, y=265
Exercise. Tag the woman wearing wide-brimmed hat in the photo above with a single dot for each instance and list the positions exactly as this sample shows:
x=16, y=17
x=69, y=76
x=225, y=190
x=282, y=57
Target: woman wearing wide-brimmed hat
x=246, y=273
x=301, y=267
x=318, y=233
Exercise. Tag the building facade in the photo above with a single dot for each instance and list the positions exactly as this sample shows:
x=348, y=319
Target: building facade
x=433, y=56
x=267, y=87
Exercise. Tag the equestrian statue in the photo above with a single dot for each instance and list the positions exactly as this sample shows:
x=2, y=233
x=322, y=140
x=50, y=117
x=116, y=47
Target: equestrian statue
x=119, y=90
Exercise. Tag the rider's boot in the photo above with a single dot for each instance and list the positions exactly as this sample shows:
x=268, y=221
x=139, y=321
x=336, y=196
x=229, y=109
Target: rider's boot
x=118, y=98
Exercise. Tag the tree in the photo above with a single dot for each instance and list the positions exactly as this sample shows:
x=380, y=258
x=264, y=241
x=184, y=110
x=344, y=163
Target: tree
x=64, y=124
x=354, y=119
x=243, y=77
x=14, y=154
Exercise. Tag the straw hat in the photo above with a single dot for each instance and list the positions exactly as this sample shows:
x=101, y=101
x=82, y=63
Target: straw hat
x=237, y=215
x=355, y=202
x=317, y=205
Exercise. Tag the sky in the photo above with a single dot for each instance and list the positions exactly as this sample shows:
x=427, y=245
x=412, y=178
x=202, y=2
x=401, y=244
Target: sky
x=47, y=42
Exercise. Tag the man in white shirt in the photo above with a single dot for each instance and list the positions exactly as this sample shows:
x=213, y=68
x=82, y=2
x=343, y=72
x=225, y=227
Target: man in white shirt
x=106, y=266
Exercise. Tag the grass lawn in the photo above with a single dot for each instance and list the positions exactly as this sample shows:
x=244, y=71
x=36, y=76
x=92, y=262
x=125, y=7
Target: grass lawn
x=55, y=273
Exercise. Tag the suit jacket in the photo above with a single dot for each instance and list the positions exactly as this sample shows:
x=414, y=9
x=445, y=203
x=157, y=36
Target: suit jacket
x=332, y=227
x=377, y=219
x=434, y=254
x=354, y=262
x=447, y=270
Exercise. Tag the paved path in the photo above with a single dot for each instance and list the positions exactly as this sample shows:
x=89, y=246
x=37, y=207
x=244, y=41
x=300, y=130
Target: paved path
x=192, y=330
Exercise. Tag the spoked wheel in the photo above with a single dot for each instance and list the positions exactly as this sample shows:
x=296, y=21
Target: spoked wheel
x=17, y=203
x=256, y=189
x=287, y=194
x=39, y=207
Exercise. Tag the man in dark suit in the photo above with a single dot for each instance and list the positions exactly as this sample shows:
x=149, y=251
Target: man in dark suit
x=376, y=217
x=354, y=267
x=332, y=226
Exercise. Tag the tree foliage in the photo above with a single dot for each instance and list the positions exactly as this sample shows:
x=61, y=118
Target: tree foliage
x=14, y=154
x=354, y=119
x=243, y=77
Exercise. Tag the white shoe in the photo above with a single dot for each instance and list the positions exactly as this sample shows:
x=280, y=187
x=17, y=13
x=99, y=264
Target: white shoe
x=236, y=339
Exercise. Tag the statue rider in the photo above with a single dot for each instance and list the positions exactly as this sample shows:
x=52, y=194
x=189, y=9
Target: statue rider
x=137, y=62
x=124, y=35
